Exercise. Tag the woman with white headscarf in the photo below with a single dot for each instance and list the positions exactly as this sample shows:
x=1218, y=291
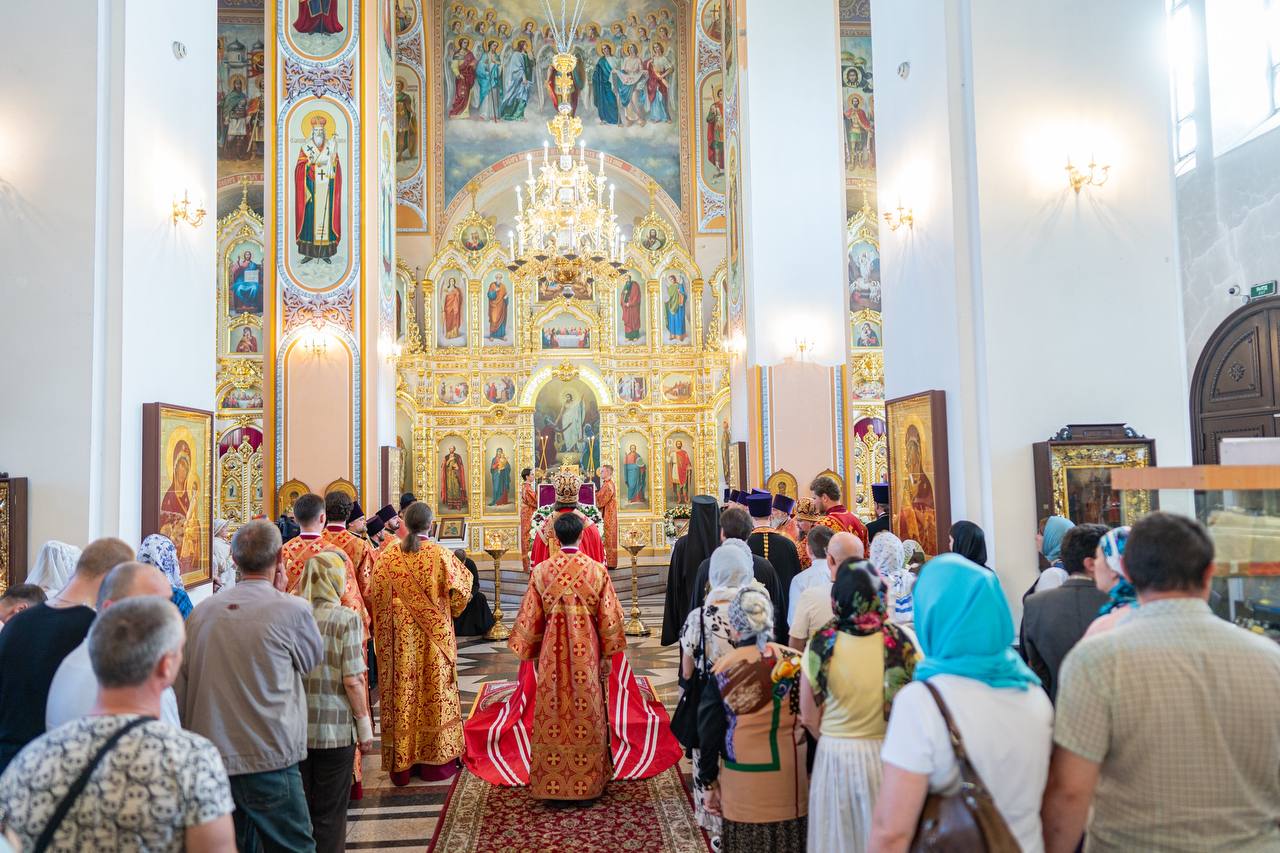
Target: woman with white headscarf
x=55, y=564
x=889, y=557
x=705, y=638
x=753, y=748
x=224, y=570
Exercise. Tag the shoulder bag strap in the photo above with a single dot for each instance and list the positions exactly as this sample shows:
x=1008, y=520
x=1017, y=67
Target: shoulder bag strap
x=967, y=771
x=78, y=786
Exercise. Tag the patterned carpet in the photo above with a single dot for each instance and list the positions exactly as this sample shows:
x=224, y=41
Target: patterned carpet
x=649, y=816
x=390, y=818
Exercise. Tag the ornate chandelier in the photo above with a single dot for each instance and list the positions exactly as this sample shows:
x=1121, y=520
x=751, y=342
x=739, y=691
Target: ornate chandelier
x=564, y=222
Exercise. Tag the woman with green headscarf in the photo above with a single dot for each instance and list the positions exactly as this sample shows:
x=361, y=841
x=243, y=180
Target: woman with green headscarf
x=965, y=631
x=337, y=701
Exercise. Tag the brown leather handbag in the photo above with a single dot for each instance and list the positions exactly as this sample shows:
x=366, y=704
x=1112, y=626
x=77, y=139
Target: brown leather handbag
x=966, y=821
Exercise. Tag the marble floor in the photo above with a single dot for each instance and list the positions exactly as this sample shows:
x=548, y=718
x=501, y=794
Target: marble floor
x=390, y=818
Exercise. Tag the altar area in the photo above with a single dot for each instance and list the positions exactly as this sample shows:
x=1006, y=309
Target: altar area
x=503, y=367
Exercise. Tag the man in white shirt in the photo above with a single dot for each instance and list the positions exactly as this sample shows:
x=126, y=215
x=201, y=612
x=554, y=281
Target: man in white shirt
x=75, y=688
x=813, y=609
x=818, y=573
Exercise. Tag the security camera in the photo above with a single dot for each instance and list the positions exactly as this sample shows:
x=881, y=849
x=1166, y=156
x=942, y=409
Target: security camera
x=1233, y=290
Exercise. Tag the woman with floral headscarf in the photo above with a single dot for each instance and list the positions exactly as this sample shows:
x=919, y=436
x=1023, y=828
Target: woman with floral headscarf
x=749, y=716
x=1110, y=576
x=338, y=719
x=854, y=667
x=159, y=551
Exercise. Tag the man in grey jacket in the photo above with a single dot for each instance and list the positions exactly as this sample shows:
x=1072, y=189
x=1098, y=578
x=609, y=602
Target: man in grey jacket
x=240, y=686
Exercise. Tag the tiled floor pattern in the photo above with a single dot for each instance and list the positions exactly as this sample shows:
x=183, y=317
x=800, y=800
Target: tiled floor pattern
x=390, y=818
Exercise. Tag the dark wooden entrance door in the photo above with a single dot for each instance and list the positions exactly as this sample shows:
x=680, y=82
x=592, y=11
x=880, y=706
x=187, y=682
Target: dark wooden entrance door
x=1235, y=391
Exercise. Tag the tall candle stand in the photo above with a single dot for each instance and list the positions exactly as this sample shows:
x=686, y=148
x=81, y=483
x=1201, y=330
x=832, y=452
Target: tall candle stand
x=495, y=545
x=633, y=542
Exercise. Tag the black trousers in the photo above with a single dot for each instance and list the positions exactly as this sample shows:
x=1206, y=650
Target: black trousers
x=326, y=779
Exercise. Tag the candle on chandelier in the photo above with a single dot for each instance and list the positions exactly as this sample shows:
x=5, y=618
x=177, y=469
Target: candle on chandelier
x=544, y=152
x=602, y=163
x=582, y=152
x=612, y=187
x=511, y=237
x=520, y=199
x=528, y=159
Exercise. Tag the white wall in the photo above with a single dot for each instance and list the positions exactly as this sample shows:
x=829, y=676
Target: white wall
x=47, y=173
x=1066, y=308
x=110, y=306
x=793, y=155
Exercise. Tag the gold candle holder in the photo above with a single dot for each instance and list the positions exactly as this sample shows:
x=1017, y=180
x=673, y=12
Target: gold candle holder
x=633, y=542
x=495, y=545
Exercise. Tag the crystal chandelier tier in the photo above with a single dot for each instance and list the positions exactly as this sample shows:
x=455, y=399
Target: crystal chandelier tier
x=566, y=207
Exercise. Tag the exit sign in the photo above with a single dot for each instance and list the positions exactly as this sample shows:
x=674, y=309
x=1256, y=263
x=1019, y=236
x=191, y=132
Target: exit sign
x=1267, y=288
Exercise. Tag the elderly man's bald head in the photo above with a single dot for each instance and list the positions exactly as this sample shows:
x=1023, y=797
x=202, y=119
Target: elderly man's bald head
x=844, y=546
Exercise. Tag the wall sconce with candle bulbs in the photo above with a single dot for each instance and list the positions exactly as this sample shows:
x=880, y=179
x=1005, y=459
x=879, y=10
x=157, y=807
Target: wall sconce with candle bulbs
x=315, y=342
x=183, y=212
x=1096, y=175
x=895, y=219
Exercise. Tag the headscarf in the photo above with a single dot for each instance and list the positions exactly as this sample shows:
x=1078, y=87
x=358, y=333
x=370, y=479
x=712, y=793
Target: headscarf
x=158, y=550
x=964, y=625
x=219, y=525
x=1122, y=594
x=859, y=611
x=703, y=535
x=731, y=566
x=55, y=564
x=1054, y=529
x=887, y=554
x=909, y=549
x=969, y=542
x=751, y=616
x=324, y=579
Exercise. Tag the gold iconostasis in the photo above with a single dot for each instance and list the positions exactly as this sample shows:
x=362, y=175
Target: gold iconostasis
x=501, y=371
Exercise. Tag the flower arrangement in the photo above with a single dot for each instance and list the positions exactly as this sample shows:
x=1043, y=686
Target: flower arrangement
x=542, y=513
x=679, y=511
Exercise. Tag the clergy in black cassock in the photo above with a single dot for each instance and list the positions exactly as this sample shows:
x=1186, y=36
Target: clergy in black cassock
x=736, y=524
x=884, y=521
x=686, y=555
x=772, y=544
x=477, y=619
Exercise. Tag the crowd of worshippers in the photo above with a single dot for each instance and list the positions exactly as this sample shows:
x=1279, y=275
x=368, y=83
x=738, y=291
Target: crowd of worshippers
x=834, y=671
x=130, y=719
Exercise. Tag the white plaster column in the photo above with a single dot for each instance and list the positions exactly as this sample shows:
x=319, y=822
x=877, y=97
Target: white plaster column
x=1031, y=306
x=793, y=162
x=109, y=303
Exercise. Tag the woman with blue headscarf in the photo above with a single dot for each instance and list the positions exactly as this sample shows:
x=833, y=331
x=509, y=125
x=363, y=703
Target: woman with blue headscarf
x=1050, y=541
x=159, y=551
x=965, y=632
x=1110, y=576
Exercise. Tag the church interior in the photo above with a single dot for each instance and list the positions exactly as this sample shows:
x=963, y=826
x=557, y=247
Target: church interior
x=976, y=261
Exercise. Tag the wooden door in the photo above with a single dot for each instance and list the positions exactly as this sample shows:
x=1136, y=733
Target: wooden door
x=1235, y=391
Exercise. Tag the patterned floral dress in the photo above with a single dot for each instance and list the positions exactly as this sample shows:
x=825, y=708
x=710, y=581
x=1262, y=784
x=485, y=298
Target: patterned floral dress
x=718, y=643
x=415, y=598
x=569, y=621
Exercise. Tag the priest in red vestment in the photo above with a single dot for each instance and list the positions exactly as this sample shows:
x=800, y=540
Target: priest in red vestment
x=528, y=506
x=826, y=492
x=568, y=483
x=607, y=503
x=308, y=511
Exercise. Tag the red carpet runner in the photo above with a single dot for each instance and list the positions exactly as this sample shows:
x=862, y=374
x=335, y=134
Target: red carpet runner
x=651, y=816
x=497, y=732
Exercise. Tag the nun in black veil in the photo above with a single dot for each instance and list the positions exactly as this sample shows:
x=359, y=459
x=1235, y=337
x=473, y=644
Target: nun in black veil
x=686, y=555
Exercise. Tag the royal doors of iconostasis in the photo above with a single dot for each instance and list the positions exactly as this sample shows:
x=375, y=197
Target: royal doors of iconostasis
x=502, y=370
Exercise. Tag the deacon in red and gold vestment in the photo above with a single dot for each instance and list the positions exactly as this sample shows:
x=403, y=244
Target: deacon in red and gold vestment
x=338, y=511
x=571, y=622
x=417, y=589
x=607, y=503
x=528, y=505
x=806, y=515
x=568, y=484
x=784, y=521
x=826, y=493
x=308, y=511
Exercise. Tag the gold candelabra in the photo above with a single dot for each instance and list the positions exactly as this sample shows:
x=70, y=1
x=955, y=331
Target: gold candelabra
x=497, y=543
x=633, y=542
